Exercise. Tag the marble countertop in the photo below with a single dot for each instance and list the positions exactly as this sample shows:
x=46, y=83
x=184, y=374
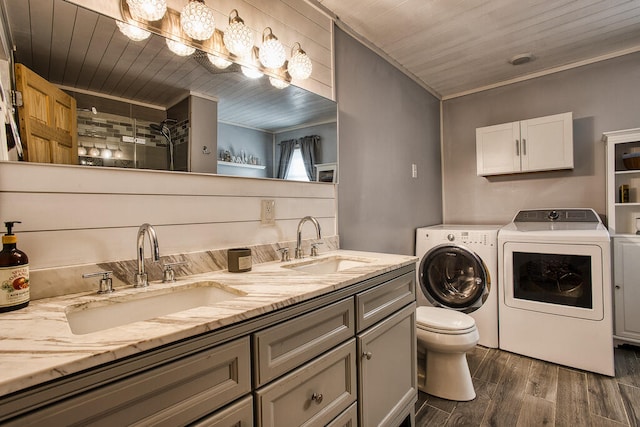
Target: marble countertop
x=37, y=345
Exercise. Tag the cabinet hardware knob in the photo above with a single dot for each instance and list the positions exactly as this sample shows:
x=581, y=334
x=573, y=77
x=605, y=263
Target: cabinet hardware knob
x=618, y=286
x=317, y=397
x=367, y=355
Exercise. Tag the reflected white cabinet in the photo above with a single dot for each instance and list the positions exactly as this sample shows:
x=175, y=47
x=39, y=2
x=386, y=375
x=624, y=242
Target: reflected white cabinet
x=543, y=143
x=626, y=253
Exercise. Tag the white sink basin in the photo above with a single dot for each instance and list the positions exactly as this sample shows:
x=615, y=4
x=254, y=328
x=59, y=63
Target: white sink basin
x=328, y=265
x=117, y=311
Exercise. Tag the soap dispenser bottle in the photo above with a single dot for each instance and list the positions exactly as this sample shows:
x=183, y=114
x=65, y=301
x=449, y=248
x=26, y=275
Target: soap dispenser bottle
x=14, y=273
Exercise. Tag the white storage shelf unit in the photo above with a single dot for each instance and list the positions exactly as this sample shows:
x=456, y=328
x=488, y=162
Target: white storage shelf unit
x=621, y=216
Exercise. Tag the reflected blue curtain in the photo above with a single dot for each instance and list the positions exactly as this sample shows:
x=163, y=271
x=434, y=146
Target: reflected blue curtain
x=308, y=147
x=286, y=153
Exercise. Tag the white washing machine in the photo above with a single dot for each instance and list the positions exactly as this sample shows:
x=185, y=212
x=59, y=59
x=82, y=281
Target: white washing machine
x=555, y=299
x=458, y=270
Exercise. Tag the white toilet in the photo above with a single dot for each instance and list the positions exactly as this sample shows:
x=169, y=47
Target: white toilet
x=445, y=336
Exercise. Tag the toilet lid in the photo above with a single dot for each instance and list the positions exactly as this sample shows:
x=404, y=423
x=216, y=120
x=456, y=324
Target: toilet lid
x=444, y=319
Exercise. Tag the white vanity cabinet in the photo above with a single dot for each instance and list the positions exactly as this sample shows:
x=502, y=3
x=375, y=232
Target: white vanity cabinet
x=346, y=358
x=543, y=143
x=626, y=281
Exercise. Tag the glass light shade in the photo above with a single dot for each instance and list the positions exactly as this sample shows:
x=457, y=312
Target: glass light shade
x=277, y=83
x=196, y=20
x=218, y=62
x=238, y=38
x=252, y=73
x=272, y=54
x=118, y=154
x=82, y=151
x=299, y=66
x=134, y=33
x=149, y=10
x=180, y=49
x=105, y=153
x=94, y=152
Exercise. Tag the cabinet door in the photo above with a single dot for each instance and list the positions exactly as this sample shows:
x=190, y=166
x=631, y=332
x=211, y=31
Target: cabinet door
x=240, y=414
x=626, y=253
x=387, y=362
x=498, y=149
x=547, y=143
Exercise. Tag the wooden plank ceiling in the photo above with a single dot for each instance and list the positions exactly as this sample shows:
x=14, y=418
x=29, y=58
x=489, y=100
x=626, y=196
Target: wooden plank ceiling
x=456, y=46
x=77, y=48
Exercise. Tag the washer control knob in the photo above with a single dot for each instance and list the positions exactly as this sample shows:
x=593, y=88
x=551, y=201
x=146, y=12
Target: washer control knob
x=553, y=215
x=451, y=237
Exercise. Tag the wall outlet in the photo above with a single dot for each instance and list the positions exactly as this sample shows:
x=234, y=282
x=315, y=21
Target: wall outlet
x=268, y=212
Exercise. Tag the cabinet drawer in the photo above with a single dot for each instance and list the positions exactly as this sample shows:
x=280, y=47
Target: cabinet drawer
x=283, y=347
x=313, y=394
x=380, y=302
x=175, y=393
x=348, y=417
x=240, y=414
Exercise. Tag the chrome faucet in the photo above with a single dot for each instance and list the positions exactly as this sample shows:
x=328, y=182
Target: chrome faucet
x=141, y=277
x=299, y=252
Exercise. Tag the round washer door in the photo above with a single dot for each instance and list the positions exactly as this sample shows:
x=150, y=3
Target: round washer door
x=454, y=277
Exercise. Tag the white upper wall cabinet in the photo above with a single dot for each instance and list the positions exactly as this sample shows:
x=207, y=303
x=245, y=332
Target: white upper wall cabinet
x=543, y=143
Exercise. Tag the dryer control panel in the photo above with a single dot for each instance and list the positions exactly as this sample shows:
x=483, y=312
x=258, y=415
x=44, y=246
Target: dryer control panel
x=469, y=237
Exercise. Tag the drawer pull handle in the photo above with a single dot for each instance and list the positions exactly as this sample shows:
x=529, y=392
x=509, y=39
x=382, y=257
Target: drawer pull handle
x=317, y=397
x=367, y=355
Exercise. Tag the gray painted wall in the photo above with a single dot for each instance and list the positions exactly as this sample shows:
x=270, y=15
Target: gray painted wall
x=604, y=96
x=386, y=122
x=253, y=142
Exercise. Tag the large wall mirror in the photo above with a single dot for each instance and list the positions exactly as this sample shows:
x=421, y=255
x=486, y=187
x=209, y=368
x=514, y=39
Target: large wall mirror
x=139, y=105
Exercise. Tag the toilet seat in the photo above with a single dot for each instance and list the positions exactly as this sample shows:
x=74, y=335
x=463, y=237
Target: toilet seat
x=444, y=321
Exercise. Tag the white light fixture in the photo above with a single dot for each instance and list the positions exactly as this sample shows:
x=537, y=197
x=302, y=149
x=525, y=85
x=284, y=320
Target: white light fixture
x=238, y=38
x=272, y=54
x=105, y=153
x=93, y=151
x=118, y=154
x=277, y=83
x=82, y=151
x=252, y=73
x=179, y=49
x=299, y=66
x=149, y=10
x=218, y=61
x=134, y=33
x=196, y=20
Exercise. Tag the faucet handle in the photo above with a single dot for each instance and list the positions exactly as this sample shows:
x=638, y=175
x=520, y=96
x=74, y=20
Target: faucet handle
x=314, y=248
x=106, y=283
x=168, y=274
x=284, y=254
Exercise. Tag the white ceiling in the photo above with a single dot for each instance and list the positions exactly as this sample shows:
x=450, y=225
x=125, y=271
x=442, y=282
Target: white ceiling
x=455, y=47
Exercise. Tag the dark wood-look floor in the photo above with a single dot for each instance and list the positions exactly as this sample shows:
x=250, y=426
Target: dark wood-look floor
x=513, y=390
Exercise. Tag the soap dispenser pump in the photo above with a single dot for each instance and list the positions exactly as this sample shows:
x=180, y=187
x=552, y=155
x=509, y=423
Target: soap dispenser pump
x=14, y=272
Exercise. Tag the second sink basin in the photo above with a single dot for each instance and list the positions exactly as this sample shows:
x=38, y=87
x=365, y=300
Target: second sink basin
x=117, y=311
x=332, y=264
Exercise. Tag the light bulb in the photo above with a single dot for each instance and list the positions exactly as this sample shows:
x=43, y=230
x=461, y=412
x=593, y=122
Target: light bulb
x=94, y=152
x=118, y=153
x=252, y=73
x=105, y=153
x=196, y=20
x=134, y=33
x=149, y=10
x=180, y=49
x=238, y=38
x=272, y=54
x=218, y=61
x=299, y=66
x=82, y=151
x=277, y=83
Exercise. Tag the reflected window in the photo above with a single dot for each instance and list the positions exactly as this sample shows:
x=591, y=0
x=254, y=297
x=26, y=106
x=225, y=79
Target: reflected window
x=296, y=170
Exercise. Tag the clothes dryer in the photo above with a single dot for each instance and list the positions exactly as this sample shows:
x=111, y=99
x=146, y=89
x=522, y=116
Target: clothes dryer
x=458, y=270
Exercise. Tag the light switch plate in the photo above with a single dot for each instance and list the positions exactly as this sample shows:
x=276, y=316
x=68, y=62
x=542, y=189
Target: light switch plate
x=268, y=211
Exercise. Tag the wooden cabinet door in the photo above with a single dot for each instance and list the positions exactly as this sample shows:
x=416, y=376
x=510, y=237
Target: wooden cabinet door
x=48, y=122
x=498, y=149
x=387, y=363
x=626, y=253
x=547, y=143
